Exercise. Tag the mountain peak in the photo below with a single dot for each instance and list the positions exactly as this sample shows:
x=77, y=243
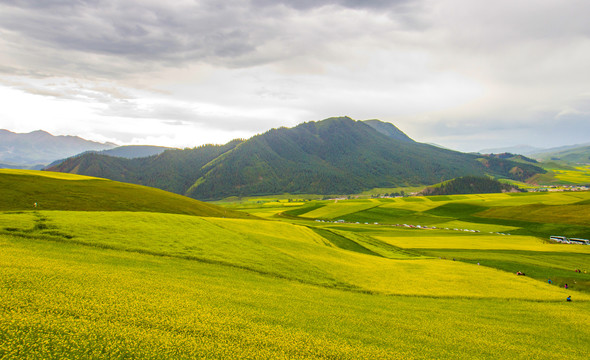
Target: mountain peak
x=388, y=129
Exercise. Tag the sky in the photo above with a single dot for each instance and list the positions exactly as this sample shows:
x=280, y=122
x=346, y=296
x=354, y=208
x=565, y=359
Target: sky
x=465, y=74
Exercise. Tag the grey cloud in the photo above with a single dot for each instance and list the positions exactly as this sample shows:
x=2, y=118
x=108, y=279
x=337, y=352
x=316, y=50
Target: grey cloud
x=133, y=30
x=357, y=4
x=114, y=38
x=525, y=55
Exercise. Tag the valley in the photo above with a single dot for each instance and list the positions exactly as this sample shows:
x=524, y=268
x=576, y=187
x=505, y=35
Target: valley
x=284, y=278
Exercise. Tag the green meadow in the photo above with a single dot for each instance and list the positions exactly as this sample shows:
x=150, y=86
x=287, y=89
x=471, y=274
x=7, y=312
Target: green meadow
x=538, y=214
x=562, y=174
x=133, y=278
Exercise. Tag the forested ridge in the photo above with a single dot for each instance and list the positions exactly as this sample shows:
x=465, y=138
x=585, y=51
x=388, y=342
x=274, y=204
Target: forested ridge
x=332, y=156
x=470, y=185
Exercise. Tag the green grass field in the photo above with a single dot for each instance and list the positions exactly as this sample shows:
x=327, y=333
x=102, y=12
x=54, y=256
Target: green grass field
x=538, y=214
x=148, y=284
x=21, y=189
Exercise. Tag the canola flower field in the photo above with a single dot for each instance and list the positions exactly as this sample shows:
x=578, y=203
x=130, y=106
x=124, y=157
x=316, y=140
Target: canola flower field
x=563, y=175
x=153, y=285
x=128, y=293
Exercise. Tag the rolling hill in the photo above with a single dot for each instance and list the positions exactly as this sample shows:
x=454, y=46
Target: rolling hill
x=332, y=156
x=21, y=189
x=137, y=283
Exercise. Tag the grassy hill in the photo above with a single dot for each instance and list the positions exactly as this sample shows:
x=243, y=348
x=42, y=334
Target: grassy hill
x=575, y=155
x=332, y=156
x=158, y=284
x=20, y=189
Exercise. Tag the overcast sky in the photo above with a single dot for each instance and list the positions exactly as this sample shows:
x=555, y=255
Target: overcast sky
x=466, y=74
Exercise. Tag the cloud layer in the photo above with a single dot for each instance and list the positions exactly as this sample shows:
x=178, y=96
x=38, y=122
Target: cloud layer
x=457, y=72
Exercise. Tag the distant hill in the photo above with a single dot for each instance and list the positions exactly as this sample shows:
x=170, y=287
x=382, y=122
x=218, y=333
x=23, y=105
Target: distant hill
x=37, y=148
x=135, y=151
x=20, y=189
x=469, y=185
x=126, y=151
x=514, y=157
x=576, y=155
x=332, y=156
x=517, y=149
x=29, y=167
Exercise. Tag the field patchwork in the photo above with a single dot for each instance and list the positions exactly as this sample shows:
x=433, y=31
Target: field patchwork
x=140, y=274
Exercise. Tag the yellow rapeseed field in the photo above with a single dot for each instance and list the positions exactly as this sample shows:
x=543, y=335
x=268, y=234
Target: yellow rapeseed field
x=479, y=242
x=143, y=284
x=295, y=252
x=49, y=174
x=62, y=300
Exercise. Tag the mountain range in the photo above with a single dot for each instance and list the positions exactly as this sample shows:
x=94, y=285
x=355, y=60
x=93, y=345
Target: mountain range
x=578, y=153
x=38, y=148
x=333, y=156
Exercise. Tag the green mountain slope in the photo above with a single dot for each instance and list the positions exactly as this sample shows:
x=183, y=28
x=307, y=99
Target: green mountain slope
x=172, y=170
x=127, y=151
x=576, y=155
x=21, y=189
x=332, y=156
